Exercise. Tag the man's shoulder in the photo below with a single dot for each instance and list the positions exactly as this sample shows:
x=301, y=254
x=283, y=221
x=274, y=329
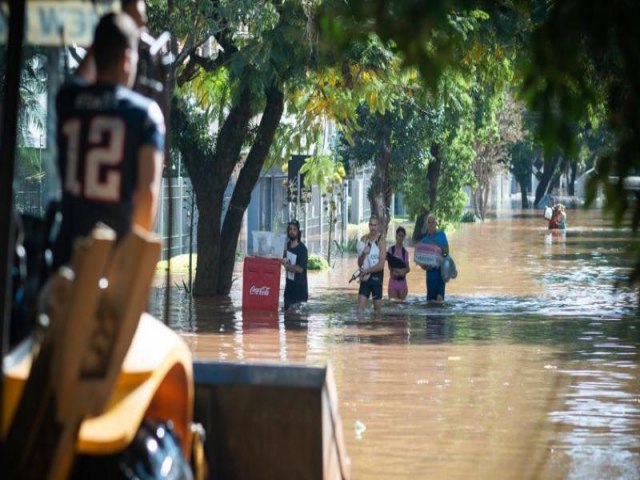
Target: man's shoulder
x=135, y=99
x=302, y=247
x=146, y=106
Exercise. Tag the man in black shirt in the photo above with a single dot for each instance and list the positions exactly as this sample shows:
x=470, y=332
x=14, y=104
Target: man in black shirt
x=110, y=142
x=295, y=264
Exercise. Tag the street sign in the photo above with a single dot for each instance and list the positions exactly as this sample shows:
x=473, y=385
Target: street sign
x=51, y=23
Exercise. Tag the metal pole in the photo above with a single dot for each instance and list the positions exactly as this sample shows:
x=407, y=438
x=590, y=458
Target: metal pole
x=7, y=167
x=181, y=209
x=298, y=195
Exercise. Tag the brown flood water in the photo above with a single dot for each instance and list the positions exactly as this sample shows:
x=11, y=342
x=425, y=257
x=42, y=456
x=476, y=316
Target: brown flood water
x=528, y=371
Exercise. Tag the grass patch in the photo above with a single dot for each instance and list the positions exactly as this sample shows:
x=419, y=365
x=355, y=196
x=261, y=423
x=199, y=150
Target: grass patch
x=179, y=264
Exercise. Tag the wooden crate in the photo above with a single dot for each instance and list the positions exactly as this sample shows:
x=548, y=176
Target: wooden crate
x=270, y=421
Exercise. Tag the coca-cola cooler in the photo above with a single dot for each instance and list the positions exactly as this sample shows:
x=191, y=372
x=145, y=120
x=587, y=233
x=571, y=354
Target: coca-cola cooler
x=261, y=283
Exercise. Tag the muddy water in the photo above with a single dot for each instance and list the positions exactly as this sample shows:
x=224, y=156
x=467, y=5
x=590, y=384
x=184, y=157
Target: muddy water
x=528, y=371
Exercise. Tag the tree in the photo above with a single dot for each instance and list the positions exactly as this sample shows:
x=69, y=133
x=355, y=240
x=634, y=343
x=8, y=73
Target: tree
x=464, y=57
x=258, y=51
x=492, y=149
x=576, y=57
x=370, y=136
x=584, y=59
x=328, y=175
x=522, y=155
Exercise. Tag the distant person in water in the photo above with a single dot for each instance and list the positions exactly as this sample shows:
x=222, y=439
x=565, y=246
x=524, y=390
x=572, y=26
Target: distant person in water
x=558, y=218
x=371, y=262
x=295, y=259
x=398, y=288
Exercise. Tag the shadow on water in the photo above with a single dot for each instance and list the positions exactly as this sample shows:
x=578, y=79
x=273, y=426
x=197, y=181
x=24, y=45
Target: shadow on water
x=528, y=370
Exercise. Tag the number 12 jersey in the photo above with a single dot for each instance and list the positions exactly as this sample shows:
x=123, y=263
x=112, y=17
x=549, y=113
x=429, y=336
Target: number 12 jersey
x=100, y=131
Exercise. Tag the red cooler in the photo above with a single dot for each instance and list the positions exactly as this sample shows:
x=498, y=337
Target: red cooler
x=261, y=283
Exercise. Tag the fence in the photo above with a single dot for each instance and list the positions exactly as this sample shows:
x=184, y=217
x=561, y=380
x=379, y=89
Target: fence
x=269, y=210
x=184, y=223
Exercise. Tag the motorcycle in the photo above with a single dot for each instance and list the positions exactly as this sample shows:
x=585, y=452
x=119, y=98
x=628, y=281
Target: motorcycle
x=99, y=388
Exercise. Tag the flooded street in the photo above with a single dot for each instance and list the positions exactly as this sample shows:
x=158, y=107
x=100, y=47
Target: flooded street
x=528, y=371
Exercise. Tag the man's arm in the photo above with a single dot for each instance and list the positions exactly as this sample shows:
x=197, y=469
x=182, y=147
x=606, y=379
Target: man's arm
x=292, y=268
x=303, y=259
x=87, y=67
x=145, y=199
x=300, y=265
x=365, y=250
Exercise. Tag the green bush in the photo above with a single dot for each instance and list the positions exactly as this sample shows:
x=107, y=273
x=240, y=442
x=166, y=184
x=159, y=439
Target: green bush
x=349, y=246
x=316, y=262
x=468, y=217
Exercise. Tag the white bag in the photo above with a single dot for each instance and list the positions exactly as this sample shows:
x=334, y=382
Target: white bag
x=448, y=269
x=548, y=213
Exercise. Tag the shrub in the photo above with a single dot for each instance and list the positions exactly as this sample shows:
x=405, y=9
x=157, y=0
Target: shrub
x=316, y=262
x=349, y=246
x=468, y=217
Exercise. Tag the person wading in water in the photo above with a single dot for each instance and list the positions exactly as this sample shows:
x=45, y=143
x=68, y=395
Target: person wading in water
x=371, y=264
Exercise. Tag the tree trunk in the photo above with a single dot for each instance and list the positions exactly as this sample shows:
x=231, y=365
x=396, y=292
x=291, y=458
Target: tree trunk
x=523, y=192
x=208, y=235
x=433, y=174
x=381, y=191
x=209, y=195
x=247, y=180
x=475, y=197
x=548, y=173
x=479, y=202
x=485, y=199
x=419, y=228
x=571, y=183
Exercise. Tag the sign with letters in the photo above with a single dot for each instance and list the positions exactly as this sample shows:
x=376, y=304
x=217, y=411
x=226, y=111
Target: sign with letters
x=58, y=23
x=428, y=254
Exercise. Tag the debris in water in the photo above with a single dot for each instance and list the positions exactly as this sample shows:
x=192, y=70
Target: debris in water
x=360, y=428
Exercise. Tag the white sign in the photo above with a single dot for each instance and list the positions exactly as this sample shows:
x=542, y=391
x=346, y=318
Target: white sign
x=58, y=23
x=259, y=291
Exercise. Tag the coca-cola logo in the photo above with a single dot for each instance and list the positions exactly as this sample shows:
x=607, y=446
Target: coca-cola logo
x=260, y=291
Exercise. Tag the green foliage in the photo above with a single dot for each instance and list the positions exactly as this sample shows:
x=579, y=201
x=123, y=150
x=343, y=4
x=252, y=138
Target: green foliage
x=429, y=35
x=190, y=133
x=328, y=175
x=350, y=246
x=577, y=66
x=324, y=172
x=585, y=61
x=468, y=217
x=316, y=262
x=366, y=73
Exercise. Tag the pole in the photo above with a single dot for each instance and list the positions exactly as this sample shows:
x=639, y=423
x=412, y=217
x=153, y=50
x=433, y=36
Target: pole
x=7, y=167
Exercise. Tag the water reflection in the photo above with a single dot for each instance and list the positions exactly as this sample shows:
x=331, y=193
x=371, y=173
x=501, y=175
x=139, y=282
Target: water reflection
x=529, y=370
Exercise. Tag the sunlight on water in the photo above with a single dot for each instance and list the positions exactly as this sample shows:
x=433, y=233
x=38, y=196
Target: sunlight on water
x=528, y=371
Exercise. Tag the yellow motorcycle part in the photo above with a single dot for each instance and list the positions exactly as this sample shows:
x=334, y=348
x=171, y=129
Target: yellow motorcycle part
x=156, y=381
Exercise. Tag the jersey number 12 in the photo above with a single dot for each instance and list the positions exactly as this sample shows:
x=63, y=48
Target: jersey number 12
x=103, y=154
